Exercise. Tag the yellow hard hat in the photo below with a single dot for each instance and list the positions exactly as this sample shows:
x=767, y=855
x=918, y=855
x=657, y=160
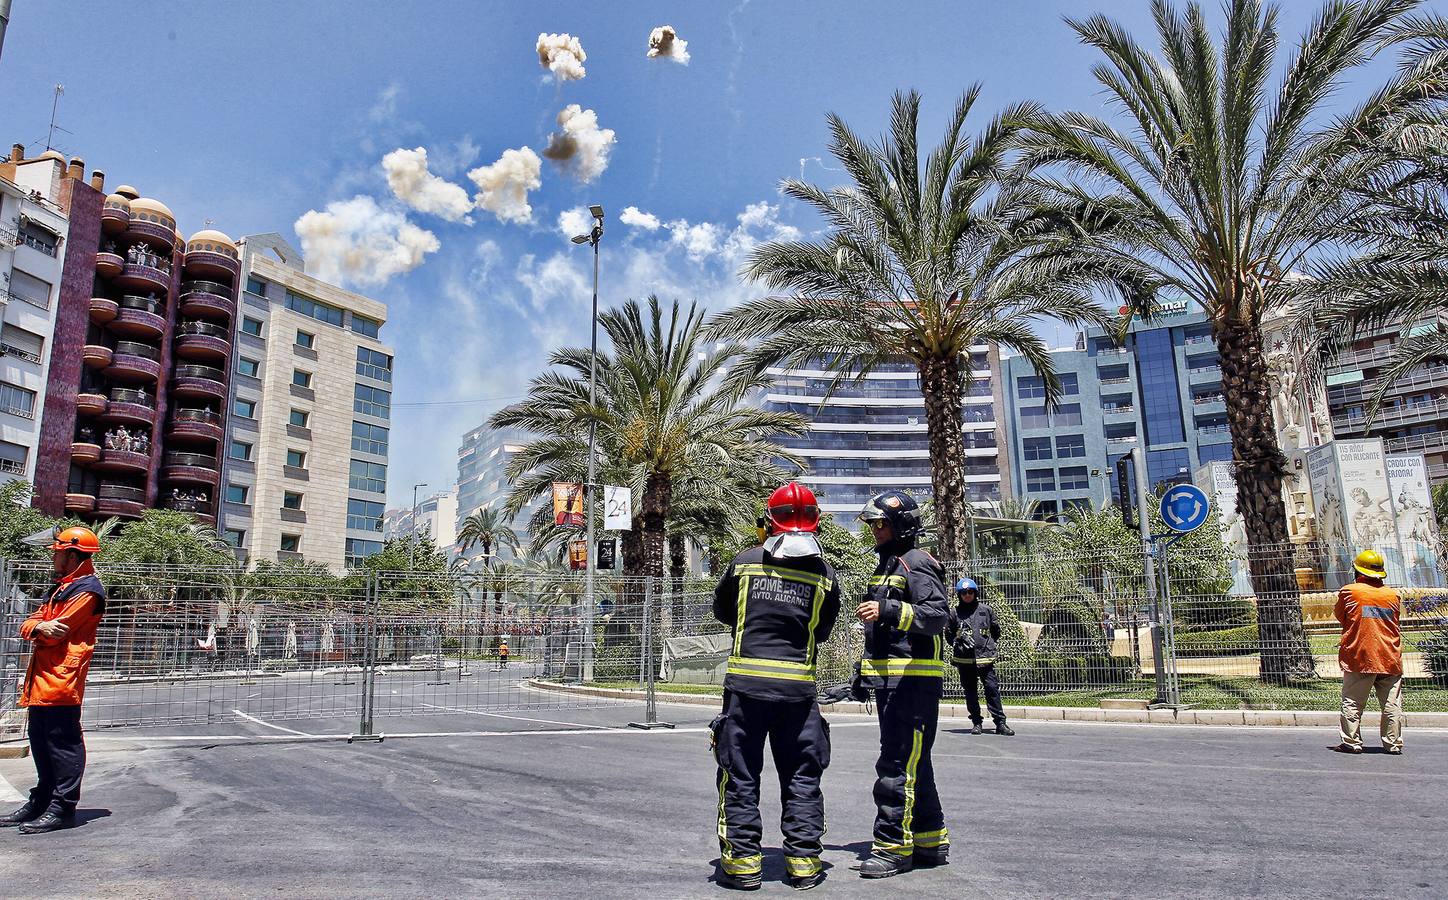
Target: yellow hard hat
x=1370, y=563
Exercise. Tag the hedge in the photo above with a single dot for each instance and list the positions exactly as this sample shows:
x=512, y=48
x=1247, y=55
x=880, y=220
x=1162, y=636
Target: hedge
x=1240, y=641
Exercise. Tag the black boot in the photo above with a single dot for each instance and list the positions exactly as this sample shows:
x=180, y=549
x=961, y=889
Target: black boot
x=1003, y=729
x=929, y=857
x=27, y=813
x=975, y=728
x=48, y=822
x=885, y=865
x=806, y=882
x=748, y=882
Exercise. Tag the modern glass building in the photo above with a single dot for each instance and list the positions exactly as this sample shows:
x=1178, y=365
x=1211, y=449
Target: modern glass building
x=1161, y=390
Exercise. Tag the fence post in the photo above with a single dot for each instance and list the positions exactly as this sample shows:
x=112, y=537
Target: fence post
x=651, y=710
x=365, y=731
x=1173, y=694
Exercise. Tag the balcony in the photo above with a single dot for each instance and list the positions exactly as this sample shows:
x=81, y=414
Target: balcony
x=83, y=453
x=144, y=277
x=120, y=500
x=190, y=468
x=205, y=382
x=201, y=509
x=96, y=356
x=1117, y=410
x=1195, y=339
x=151, y=227
x=109, y=264
x=80, y=504
x=211, y=262
x=103, y=309
x=139, y=317
x=130, y=406
x=200, y=424
x=207, y=300
x=1208, y=399
x=1435, y=442
x=115, y=218
x=135, y=362
x=1402, y=414
x=128, y=462
x=1123, y=379
x=88, y=403
x=1214, y=429
x=203, y=340
x=1112, y=351
x=1122, y=439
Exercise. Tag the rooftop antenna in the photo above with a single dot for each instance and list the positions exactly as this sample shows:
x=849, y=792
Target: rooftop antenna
x=54, y=105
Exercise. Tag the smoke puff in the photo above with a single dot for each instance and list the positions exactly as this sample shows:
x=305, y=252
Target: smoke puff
x=637, y=218
x=413, y=184
x=664, y=43
x=562, y=54
x=581, y=148
x=358, y=242
x=503, y=186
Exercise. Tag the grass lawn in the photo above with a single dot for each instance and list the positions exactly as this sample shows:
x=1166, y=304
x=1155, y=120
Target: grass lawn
x=1326, y=644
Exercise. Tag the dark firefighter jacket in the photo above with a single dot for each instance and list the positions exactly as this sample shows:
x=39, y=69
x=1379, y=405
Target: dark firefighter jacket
x=973, y=631
x=781, y=610
x=905, y=646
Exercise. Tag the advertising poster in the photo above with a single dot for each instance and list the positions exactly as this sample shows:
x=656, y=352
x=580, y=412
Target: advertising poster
x=568, y=503
x=1216, y=479
x=1328, y=510
x=1413, y=509
x=1367, y=502
x=578, y=555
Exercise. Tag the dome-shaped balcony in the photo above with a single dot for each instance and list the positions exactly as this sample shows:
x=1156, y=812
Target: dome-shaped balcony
x=135, y=362
x=83, y=453
x=128, y=462
x=153, y=222
x=109, y=263
x=116, y=214
x=103, y=309
x=191, y=424
x=139, y=317
x=130, y=407
x=208, y=300
x=90, y=403
x=120, y=500
x=203, y=341
x=96, y=356
x=190, y=468
x=203, y=382
x=201, y=509
x=210, y=253
x=79, y=504
x=144, y=277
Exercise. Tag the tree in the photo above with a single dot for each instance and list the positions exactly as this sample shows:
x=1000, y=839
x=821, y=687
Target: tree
x=19, y=520
x=1216, y=190
x=923, y=259
x=489, y=529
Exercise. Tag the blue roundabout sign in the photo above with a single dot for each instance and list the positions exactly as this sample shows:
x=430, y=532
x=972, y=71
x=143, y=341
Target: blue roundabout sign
x=1184, y=507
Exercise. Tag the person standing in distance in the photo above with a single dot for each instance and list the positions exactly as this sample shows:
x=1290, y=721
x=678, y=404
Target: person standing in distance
x=62, y=633
x=973, y=631
x=1371, y=653
x=782, y=600
x=904, y=611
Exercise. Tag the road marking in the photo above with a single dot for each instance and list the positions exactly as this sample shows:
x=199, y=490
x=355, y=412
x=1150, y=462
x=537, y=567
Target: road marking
x=475, y=712
x=265, y=724
x=1155, y=764
x=8, y=793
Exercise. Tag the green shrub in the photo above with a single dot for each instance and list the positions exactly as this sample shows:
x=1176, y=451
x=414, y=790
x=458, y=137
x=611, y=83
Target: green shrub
x=1435, y=654
x=1073, y=671
x=1239, y=641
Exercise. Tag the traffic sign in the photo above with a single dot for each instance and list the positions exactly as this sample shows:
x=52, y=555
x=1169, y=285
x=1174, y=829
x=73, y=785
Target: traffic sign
x=1184, y=507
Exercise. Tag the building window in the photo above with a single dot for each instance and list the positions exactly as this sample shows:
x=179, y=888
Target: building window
x=1167, y=467
x=297, y=459
x=314, y=309
x=371, y=401
x=1070, y=385
x=1069, y=446
x=365, y=326
x=368, y=476
x=291, y=543
x=298, y=418
x=1032, y=387
x=291, y=500
x=240, y=450
x=255, y=285
x=234, y=537
x=246, y=409
x=364, y=515
x=1037, y=448
x=1160, y=395
x=236, y=493
x=306, y=340
x=13, y=457
x=251, y=326
x=16, y=400
x=368, y=438
x=1074, y=478
x=37, y=238
x=358, y=550
x=374, y=364
x=21, y=344
x=249, y=367
x=301, y=379
x=1038, y=480
x=1066, y=414
x=1207, y=453
x=1035, y=417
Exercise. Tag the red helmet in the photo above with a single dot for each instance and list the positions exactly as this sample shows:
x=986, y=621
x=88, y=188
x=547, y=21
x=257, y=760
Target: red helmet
x=793, y=508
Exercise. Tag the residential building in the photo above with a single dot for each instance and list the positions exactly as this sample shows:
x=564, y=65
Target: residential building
x=436, y=515
x=870, y=434
x=1413, y=417
x=1160, y=390
x=305, y=472
x=483, y=459
x=136, y=370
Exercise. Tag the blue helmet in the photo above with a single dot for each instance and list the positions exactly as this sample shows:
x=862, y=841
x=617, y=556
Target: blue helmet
x=967, y=584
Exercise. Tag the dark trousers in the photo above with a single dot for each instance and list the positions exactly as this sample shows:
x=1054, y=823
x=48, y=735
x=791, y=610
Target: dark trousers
x=58, y=749
x=799, y=739
x=908, y=814
x=986, y=675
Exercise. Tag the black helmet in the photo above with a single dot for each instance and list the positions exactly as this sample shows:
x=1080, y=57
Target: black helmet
x=897, y=508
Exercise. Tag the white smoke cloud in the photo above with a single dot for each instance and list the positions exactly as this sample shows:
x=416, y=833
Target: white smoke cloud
x=413, y=184
x=562, y=54
x=665, y=43
x=358, y=242
x=575, y=221
x=581, y=148
x=637, y=218
x=503, y=186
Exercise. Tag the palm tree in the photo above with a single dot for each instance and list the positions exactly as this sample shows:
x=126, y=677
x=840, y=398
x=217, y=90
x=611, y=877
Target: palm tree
x=923, y=260
x=662, y=412
x=487, y=528
x=1218, y=189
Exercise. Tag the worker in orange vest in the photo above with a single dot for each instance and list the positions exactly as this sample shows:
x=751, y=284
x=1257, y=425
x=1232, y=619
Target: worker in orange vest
x=62, y=634
x=503, y=653
x=1371, y=653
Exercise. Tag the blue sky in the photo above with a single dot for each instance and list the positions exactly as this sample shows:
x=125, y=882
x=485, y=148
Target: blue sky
x=254, y=114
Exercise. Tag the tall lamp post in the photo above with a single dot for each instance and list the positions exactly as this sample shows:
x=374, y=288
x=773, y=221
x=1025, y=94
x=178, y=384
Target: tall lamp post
x=594, y=235
x=412, y=525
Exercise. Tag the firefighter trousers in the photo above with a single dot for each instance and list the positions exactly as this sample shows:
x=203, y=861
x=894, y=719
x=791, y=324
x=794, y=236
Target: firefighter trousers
x=972, y=674
x=908, y=814
x=799, y=739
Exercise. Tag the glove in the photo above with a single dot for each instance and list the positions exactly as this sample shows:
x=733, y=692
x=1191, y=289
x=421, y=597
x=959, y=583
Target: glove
x=835, y=693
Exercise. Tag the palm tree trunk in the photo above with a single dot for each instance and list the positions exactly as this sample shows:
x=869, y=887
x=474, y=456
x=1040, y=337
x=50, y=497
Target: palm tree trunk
x=678, y=564
x=1259, y=466
x=658, y=494
x=940, y=385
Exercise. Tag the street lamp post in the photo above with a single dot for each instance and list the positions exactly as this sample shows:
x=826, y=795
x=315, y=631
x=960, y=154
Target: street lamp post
x=594, y=235
x=412, y=525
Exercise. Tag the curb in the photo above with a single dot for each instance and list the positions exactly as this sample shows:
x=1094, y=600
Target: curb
x=1244, y=717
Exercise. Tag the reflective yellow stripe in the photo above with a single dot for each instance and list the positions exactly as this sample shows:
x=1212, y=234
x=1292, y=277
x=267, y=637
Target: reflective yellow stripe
x=739, y=612
x=724, y=845
x=814, y=620
x=743, y=865
x=931, y=839
x=913, y=763
x=756, y=569
x=770, y=668
x=800, y=866
x=772, y=663
x=907, y=616
x=895, y=581
x=896, y=668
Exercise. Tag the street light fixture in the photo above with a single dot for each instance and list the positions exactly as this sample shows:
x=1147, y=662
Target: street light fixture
x=412, y=525
x=594, y=235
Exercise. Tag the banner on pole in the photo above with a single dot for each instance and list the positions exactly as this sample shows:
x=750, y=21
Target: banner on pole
x=568, y=503
x=607, y=554
x=577, y=555
x=617, y=508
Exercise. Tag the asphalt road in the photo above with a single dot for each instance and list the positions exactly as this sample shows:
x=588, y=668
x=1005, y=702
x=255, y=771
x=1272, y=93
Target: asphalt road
x=522, y=807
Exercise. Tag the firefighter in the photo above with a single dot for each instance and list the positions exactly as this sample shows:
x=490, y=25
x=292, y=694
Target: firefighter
x=973, y=631
x=904, y=611
x=62, y=633
x=781, y=599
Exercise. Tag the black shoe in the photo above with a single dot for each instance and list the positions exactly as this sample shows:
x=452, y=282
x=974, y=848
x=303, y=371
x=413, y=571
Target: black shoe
x=1004, y=730
x=750, y=882
x=930, y=857
x=26, y=813
x=883, y=866
x=976, y=729
x=48, y=822
x=805, y=882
